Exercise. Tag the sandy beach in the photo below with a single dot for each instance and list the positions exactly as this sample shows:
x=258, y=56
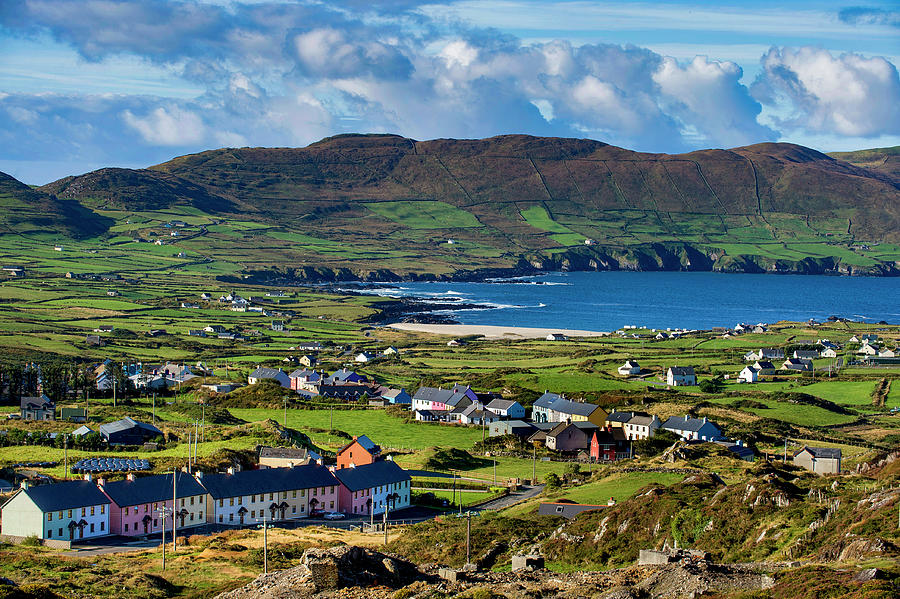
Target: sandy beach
x=491, y=331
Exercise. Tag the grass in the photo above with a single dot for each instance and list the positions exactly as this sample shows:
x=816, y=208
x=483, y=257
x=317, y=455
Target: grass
x=619, y=486
x=424, y=214
x=388, y=431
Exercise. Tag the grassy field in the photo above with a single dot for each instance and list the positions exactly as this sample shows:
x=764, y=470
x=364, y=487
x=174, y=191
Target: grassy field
x=618, y=486
x=424, y=214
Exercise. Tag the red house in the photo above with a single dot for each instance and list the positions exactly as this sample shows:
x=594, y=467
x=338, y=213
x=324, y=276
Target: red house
x=603, y=446
x=360, y=452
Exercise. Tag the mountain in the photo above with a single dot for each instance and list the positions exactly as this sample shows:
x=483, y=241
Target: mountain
x=385, y=205
x=883, y=160
x=26, y=210
x=127, y=189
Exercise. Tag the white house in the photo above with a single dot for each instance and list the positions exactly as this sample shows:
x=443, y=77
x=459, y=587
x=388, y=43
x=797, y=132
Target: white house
x=749, y=375
x=829, y=352
x=887, y=353
x=629, y=368
x=556, y=337
x=681, y=376
x=692, y=428
x=363, y=357
x=641, y=426
x=69, y=511
x=506, y=408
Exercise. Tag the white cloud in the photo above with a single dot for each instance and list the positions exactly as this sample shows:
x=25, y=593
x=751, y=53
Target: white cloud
x=168, y=127
x=848, y=95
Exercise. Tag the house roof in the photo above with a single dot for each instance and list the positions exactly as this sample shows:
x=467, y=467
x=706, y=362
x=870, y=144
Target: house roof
x=641, y=419
x=822, y=453
x=742, y=451
x=364, y=442
x=681, y=370
x=298, y=453
x=446, y=396
x=576, y=408
x=305, y=373
x=82, y=430
x=36, y=403
x=66, y=496
x=125, y=424
x=501, y=404
x=685, y=423
x=764, y=365
x=343, y=375
x=270, y=480
x=150, y=489
x=620, y=417
x=546, y=400
x=266, y=373
x=371, y=475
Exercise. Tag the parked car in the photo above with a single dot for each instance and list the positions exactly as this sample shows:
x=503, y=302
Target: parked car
x=334, y=516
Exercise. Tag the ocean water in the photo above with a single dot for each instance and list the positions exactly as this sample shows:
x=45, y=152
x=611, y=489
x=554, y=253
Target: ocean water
x=605, y=301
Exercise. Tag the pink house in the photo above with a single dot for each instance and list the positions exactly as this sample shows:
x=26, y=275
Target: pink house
x=138, y=503
x=376, y=487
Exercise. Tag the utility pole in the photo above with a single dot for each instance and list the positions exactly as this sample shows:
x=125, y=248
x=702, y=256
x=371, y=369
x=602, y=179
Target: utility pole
x=154, y=408
x=66, y=446
x=785, y=451
x=468, y=537
x=331, y=423
x=174, y=510
x=285, y=412
x=495, y=472
x=533, y=463
x=265, y=527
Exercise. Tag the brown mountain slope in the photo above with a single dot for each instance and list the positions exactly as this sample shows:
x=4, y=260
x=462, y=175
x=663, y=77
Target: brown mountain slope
x=494, y=178
x=121, y=188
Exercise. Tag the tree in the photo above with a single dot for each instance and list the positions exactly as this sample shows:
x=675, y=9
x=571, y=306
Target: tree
x=552, y=481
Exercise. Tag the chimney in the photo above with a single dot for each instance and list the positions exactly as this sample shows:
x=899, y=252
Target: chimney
x=88, y=477
x=611, y=502
x=129, y=476
x=101, y=482
x=686, y=417
x=24, y=484
x=704, y=420
x=740, y=443
x=230, y=470
x=198, y=475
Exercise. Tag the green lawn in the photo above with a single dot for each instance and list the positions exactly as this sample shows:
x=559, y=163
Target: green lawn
x=424, y=214
x=618, y=486
x=387, y=431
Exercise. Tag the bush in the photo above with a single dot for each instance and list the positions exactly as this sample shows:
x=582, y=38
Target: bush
x=32, y=541
x=552, y=481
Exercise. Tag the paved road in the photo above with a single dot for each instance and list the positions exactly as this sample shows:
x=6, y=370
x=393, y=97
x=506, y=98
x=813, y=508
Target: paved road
x=512, y=499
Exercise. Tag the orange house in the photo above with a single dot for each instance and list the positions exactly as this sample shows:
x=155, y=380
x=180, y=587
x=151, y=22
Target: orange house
x=360, y=452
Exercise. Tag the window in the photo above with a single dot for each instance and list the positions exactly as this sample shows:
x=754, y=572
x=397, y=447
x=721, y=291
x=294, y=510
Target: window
x=200, y=515
x=331, y=505
x=92, y=510
x=125, y=511
x=192, y=501
x=253, y=514
x=294, y=494
x=294, y=509
x=182, y=502
x=126, y=527
x=155, y=523
x=231, y=517
x=50, y=534
x=60, y=532
x=231, y=501
x=49, y=517
x=253, y=498
x=92, y=527
x=220, y=517
x=83, y=512
x=271, y=496
x=332, y=489
x=192, y=516
x=302, y=492
x=220, y=503
x=302, y=508
x=59, y=516
x=103, y=526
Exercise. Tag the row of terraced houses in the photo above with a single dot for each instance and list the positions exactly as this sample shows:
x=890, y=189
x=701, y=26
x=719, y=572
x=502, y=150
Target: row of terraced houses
x=135, y=506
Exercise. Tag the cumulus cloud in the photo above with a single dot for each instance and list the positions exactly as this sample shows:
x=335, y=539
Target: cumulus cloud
x=848, y=95
x=337, y=54
x=168, y=126
x=276, y=73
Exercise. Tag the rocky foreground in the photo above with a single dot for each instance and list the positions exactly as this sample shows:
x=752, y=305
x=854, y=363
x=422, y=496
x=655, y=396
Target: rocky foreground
x=354, y=572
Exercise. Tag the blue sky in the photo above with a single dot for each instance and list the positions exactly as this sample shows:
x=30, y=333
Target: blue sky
x=91, y=83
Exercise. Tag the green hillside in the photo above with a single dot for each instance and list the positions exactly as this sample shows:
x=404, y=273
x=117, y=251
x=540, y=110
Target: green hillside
x=884, y=160
x=376, y=206
x=24, y=210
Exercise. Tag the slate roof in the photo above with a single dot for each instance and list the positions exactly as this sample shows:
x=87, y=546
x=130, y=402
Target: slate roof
x=682, y=370
x=299, y=453
x=501, y=404
x=371, y=475
x=680, y=423
x=641, y=419
x=36, y=403
x=305, y=373
x=125, y=424
x=150, y=489
x=270, y=480
x=450, y=397
x=66, y=496
x=343, y=375
x=822, y=453
x=266, y=373
x=622, y=417
x=567, y=406
x=546, y=400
